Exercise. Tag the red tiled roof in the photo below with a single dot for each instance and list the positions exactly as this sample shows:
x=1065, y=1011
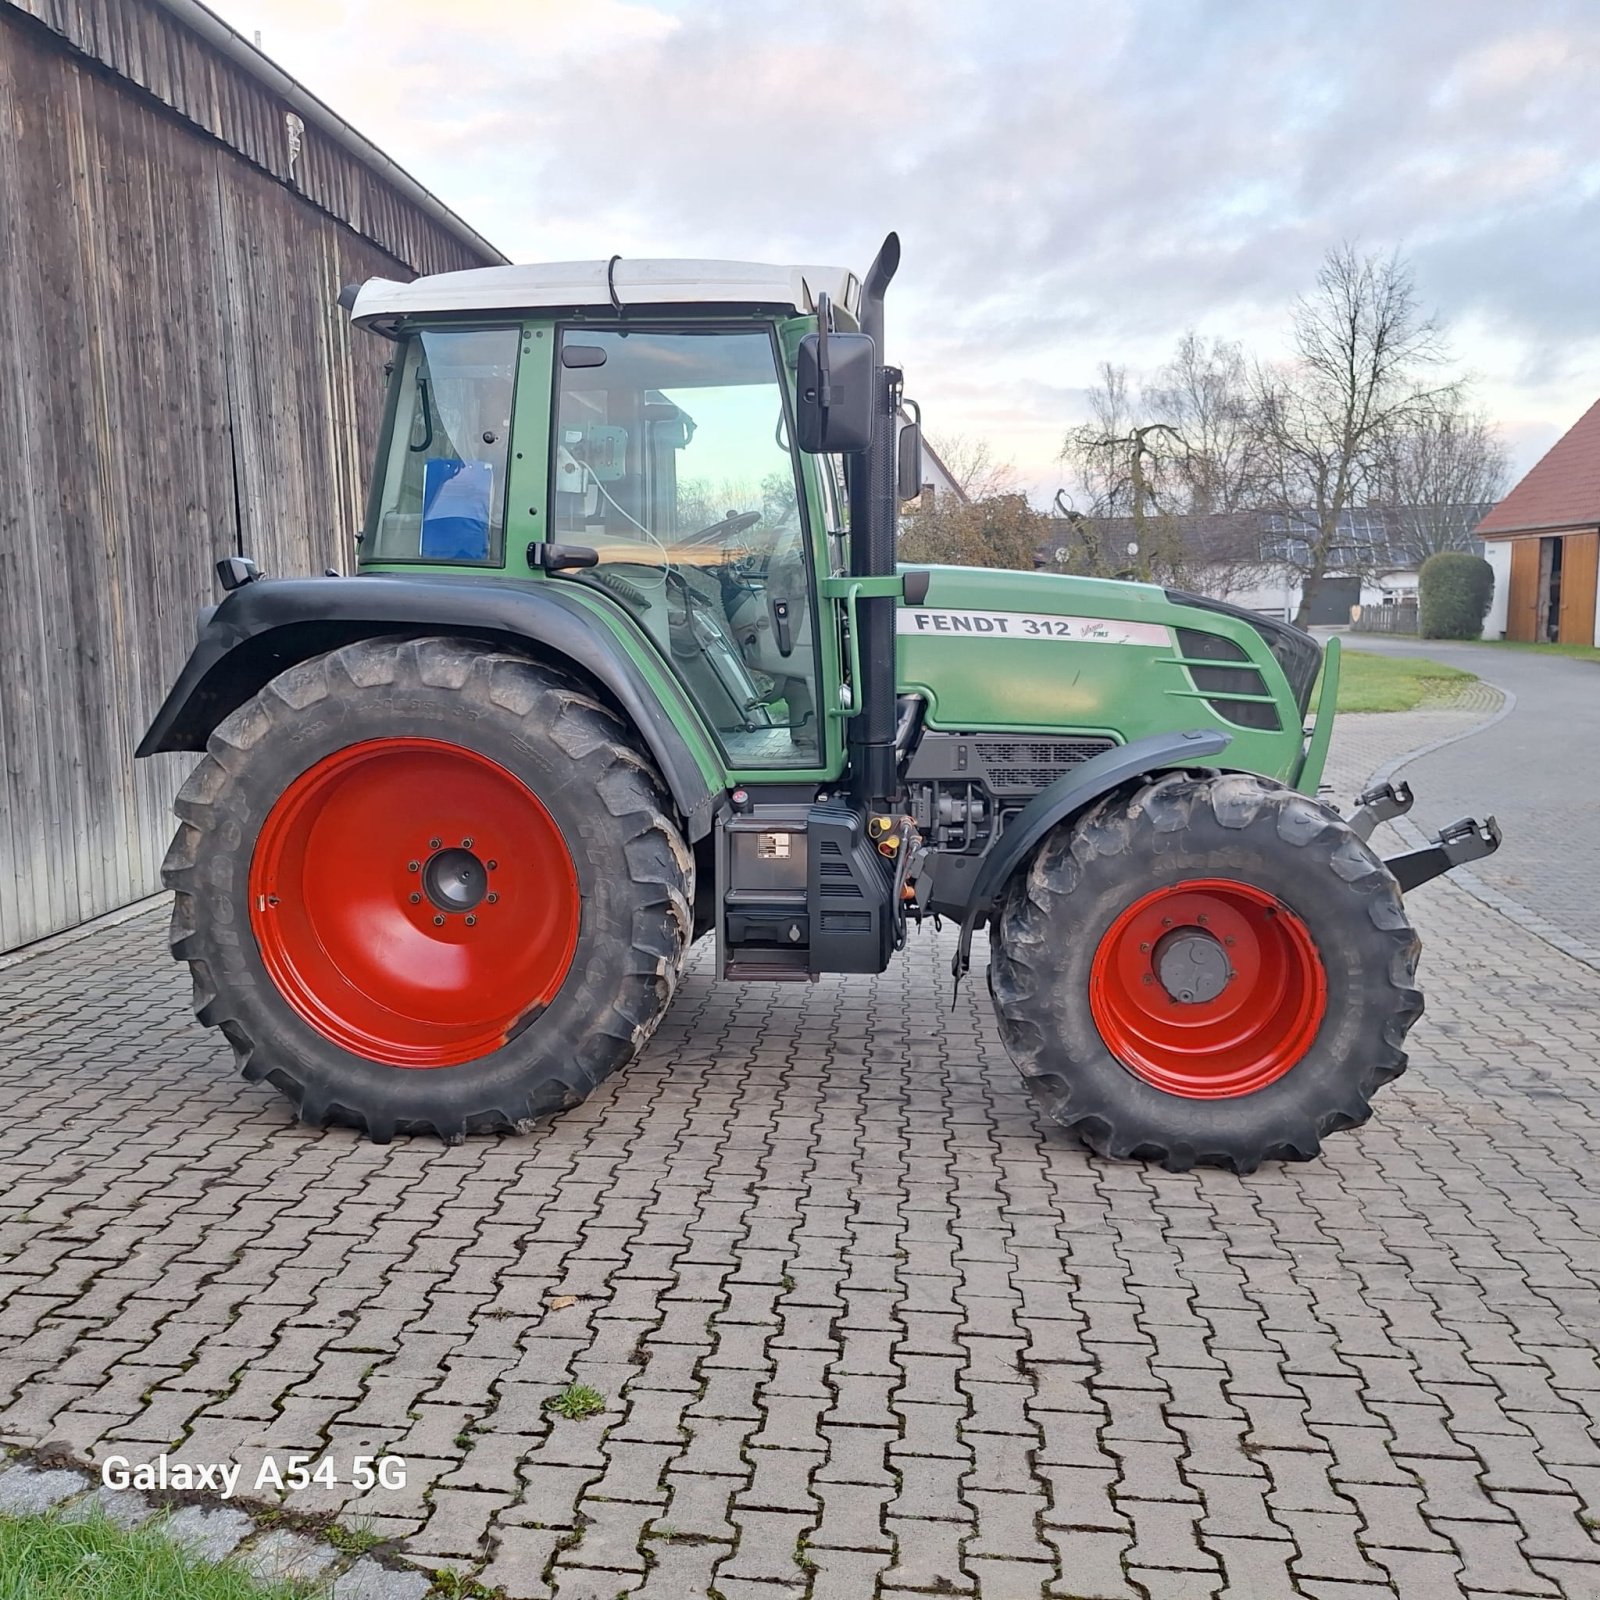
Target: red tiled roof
x=1562, y=490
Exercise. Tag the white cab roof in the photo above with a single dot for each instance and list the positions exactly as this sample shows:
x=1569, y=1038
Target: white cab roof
x=562, y=284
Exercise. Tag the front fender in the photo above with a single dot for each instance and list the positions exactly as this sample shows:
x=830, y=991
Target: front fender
x=1067, y=796
x=265, y=627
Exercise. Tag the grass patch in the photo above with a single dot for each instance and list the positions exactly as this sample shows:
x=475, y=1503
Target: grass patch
x=1578, y=652
x=48, y=1558
x=1370, y=682
x=354, y=1539
x=576, y=1402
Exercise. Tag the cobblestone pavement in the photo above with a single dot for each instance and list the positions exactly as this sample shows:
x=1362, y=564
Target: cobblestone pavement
x=1537, y=769
x=863, y=1326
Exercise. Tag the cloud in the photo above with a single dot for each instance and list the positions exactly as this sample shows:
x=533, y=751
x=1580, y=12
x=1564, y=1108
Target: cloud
x=1072, y=181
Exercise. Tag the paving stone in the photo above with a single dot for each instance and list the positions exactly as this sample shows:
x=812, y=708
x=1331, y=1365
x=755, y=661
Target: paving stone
x=206, y=1533
x=1254, y=1566
x=280, y=1553
x=679, y=1568
x=1164, y=1535
x=122, y=1507
x=1009, y=1580
x=520, y=1558
x=927, y=1555
x=1091, y=1564
x=1492, y=1558
x=367, y=1580
x=1551, y=1526
x=1328, y=1546
x=25, y=1489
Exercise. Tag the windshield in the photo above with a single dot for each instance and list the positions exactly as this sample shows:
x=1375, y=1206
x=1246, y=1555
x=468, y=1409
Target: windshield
x=442, y=494
x=673, y=462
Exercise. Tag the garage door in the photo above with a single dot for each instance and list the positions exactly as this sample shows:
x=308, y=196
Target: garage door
x=1332, y=601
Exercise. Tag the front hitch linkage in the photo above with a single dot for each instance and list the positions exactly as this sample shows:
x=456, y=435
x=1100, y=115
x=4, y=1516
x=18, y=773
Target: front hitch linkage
x=1460, y=842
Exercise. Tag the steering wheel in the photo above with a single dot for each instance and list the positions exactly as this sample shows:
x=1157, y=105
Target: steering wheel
x=714, y=532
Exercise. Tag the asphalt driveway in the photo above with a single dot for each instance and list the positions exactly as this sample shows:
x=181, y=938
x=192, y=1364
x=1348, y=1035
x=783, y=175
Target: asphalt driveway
x=1536, y=768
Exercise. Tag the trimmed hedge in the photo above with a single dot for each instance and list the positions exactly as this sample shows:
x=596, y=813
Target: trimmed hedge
x=1454, y=591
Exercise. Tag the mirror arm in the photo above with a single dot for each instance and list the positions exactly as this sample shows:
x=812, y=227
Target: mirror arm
x=824, y=317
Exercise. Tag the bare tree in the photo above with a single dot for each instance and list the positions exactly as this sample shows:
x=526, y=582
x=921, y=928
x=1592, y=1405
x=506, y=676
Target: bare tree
x=1363, y=349
x=972, y=465
x=1128, y=470
x=1437, y=476
x=1204, y=394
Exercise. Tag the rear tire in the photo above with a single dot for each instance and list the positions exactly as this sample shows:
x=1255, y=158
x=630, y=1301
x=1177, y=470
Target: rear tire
x=1332, y=967
x=602, y=902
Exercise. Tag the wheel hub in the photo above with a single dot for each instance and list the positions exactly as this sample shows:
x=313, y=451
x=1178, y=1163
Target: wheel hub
x=1208, y=988
x=1192, y=966
x=414, y=902
x=455, y=880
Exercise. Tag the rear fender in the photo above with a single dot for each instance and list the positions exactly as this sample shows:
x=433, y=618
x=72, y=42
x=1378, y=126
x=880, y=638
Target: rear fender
x=265, y=627
x=1067, y=796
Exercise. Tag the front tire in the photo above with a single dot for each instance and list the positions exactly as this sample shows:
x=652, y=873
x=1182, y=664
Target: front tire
x=428, y=886
x=1212, y=971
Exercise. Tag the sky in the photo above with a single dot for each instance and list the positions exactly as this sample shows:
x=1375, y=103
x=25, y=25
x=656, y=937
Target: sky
x=1073, y=181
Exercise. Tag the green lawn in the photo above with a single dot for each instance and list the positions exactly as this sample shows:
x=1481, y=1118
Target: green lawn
x=1579, y=652
x=49, y=1558
x=1370, y=682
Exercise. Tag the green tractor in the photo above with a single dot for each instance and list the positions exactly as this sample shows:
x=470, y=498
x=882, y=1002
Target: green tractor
x=630, y=661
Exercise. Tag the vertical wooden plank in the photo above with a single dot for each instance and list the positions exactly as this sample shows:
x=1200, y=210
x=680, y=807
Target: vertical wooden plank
x=1522, y=600
x=1580, y=565
x=160, y=300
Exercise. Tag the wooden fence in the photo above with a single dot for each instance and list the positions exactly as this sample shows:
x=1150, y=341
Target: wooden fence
x=1399, y=618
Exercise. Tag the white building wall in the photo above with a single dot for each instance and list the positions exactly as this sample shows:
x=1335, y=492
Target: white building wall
x=1277, y=591
x=1498, y=554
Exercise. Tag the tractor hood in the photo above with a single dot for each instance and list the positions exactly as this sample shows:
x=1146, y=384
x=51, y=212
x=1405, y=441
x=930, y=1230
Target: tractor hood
x=1047, y=654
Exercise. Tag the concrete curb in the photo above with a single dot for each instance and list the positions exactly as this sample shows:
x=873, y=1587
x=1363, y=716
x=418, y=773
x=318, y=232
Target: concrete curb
x=1413, y=836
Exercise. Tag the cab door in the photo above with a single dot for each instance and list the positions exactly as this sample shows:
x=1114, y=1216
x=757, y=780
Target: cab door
x=673, y=460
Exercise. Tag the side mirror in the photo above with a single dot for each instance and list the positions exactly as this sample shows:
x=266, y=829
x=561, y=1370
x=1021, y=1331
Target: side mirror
x=834, y=390
x=908, y=468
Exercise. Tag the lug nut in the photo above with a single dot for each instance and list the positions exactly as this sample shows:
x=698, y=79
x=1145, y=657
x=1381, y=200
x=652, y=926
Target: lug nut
x=1144, y=947
x=466, y=844
x=438, y=922
x=413, y=866
x=491, y=865
x=472, y=922
x=416, y=899
x=433, y=844
x=493, y=899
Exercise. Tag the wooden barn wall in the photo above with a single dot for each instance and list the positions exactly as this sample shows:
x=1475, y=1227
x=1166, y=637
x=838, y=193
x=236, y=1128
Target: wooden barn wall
x=145, y=44
x=176, y=384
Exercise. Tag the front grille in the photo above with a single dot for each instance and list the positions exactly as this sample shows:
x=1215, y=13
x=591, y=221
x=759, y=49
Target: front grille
x=1027, y=765
x=1220, y=683
x=1296, y=651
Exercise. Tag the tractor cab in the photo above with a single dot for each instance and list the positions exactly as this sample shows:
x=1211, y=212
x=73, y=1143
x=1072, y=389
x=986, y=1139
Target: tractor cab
x=650, y=458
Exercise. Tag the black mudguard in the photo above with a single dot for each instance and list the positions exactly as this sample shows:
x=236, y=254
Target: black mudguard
x=264, y=627
x=1069, y=794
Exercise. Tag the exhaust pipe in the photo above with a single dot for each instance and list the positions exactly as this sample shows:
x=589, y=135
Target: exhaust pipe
x=873, y=514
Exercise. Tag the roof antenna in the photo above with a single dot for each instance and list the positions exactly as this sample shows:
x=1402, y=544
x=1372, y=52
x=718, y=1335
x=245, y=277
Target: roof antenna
x=611, y=285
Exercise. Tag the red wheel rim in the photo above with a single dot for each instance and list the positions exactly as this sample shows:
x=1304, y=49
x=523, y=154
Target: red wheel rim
x=413, y=901
x=1209, y=988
